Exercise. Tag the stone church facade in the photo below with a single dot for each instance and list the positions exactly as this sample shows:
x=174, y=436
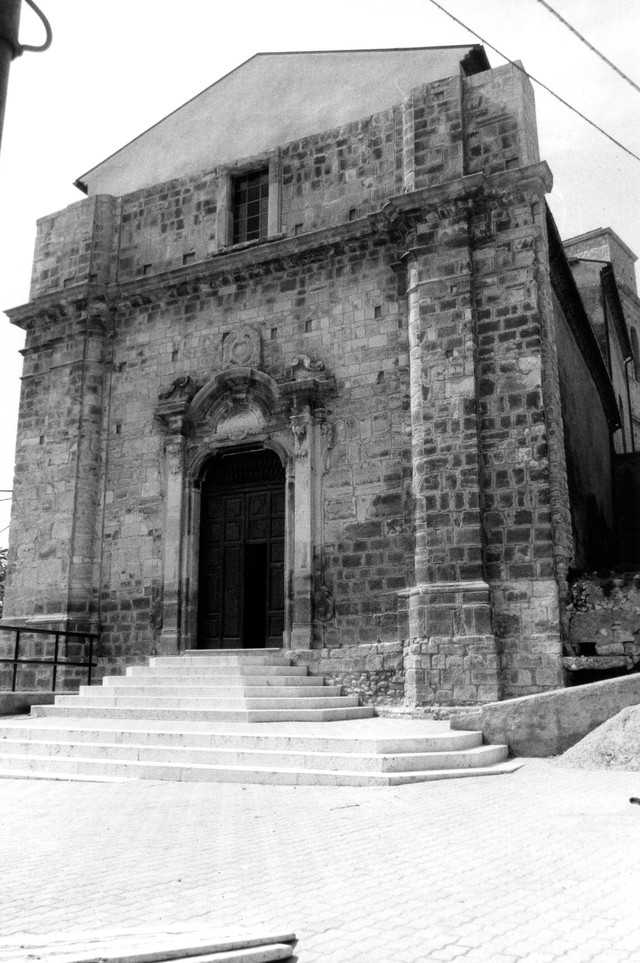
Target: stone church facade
x=322, y=395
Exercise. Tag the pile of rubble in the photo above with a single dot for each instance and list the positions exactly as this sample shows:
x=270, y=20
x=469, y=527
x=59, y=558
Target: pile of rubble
x=613, y=745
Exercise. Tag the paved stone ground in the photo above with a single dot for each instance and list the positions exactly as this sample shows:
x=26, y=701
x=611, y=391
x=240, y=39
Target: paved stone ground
x=538, y=866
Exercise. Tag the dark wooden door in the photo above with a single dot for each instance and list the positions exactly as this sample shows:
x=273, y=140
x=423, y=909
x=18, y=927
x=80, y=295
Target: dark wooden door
x=242, y=527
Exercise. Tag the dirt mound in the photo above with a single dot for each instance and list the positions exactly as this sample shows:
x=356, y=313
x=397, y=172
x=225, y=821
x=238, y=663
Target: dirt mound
x=613, y=745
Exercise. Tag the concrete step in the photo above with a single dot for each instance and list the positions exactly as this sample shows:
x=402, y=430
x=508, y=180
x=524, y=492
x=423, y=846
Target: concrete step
x=306, y=714
x=64, y=767
x=205, y=670
x=242, y=653
x=139, y=732
x=210, y=657
x=184, y=719
x=227, y=691
x=258, y=758
x=116, y=697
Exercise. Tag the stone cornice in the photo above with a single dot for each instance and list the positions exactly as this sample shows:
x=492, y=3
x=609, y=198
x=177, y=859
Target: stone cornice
x=395, y=221
x=58, y=305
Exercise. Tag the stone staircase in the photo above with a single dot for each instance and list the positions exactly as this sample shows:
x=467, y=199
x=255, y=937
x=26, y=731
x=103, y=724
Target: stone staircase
x=190, y=718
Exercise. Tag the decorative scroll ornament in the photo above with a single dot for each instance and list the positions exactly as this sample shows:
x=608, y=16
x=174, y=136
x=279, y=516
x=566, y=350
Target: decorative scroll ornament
x=300, y=366
x=173, y=404
x=324, y=605
x=182, y=389
x=242, y=349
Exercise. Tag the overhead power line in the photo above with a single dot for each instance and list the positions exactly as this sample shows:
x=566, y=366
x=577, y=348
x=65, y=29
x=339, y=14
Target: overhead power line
x=536, y=81
x=589, y=45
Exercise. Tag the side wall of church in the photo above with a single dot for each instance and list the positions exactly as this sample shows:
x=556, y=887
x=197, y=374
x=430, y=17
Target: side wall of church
x=588, y=454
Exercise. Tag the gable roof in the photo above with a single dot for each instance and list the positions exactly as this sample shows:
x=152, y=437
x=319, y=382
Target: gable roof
x=272, y=99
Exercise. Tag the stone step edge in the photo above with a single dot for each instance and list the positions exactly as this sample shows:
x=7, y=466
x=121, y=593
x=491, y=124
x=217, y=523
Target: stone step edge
x=249, y=716
x=357, y=778
x=266, y=650
x=378, y=745
x=188, y=669
x=330, y=691
x=233, y=750
x=204, y=704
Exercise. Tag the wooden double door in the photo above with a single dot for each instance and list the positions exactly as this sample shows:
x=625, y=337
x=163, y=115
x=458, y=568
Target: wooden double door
x=242, y=539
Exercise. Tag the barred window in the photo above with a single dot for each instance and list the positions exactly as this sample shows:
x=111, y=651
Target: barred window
x=250, y=203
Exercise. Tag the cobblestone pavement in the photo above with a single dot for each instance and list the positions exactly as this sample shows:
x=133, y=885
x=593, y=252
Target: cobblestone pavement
x=539, y=866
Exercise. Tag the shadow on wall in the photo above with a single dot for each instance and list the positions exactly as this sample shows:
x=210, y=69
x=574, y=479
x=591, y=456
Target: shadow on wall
x=627, y=502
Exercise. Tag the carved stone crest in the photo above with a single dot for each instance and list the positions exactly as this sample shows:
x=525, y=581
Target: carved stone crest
x=242, y=349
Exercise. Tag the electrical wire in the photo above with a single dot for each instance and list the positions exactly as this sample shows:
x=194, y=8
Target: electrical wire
x=589, y=45
x=536, y=81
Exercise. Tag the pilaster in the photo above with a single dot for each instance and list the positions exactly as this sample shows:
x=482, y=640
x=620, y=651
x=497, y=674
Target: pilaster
x=171, y=412
x=451, y=655
x=524, y=512
x=55, y=528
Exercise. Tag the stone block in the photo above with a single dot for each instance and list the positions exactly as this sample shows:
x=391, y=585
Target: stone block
x=550, y=722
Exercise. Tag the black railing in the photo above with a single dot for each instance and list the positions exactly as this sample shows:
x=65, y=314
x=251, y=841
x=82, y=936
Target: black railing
x=56, y=662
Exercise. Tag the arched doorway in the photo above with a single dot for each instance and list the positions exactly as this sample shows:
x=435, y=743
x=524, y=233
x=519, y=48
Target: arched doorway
x=242, y=550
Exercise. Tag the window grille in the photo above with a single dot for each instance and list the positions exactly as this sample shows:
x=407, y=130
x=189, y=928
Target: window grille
x=250, y=206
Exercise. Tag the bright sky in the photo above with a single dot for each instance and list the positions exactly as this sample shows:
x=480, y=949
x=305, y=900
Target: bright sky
x=117, y=66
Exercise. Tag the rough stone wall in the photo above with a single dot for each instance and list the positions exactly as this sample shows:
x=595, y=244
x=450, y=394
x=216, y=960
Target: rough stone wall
x=604, y=636
x=500, y=130
x=343, y=312
x=514, y=440
x=341, y=174
x=54, y=555
x=437, y=146
x=374, y=672
x=74, y=246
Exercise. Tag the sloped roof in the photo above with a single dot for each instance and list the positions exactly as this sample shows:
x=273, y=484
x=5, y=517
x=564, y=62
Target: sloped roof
x=271, y=99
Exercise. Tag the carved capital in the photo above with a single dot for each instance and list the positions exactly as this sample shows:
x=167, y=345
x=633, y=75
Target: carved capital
x=173, y=404
x=182, y=389
x=298, y=367
x=307, y=384
x=301, y=422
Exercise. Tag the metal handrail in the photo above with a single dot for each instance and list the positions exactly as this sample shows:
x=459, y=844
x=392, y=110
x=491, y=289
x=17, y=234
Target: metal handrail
x=87, y=664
